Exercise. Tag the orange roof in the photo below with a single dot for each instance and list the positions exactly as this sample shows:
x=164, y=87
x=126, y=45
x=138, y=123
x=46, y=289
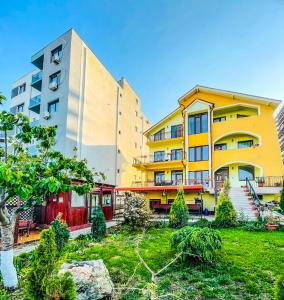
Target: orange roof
x=198, y=187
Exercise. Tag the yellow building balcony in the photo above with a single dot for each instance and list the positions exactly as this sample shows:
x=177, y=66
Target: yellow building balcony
x=167, y=161
x=165, y=136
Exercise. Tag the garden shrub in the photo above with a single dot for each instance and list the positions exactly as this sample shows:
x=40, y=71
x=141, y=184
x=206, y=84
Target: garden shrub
x=61, y=231
x=281, y=204
x=179, y=211
x=225, y=215
x=201, y=223
x=279, y=288
x=98, y=224
x=42, y=281
x=197, y=242
x=226, y=187
x=258, y=225
x=136, y=212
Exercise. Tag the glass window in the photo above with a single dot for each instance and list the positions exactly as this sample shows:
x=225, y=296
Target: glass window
x=198, y=123
x=205, y=153
x=246, y=172
x=159, y=156
x=198, y=153
x=176, y=154
x=159, y=178
x=160, y=135
x=78, y=200
x=192, y=154
x=177, y=177
x=107, y=200
x=56, y=54
x=198, y=177
x=245, y=144
x=53, y=106
x=55, y=77
x=176, y=131
x=220, y=147
x=20, y=108
x=219, y=119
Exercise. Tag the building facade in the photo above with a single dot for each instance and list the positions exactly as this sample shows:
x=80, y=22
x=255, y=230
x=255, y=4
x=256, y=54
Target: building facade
x=280, y=128
x=213, y=135
x=99, y=116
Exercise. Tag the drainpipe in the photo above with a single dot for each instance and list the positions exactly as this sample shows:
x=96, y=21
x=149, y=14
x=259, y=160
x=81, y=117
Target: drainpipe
x=184, y=144
x=116, y=137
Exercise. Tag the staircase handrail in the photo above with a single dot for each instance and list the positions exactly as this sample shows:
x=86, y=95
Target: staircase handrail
x=254, y=195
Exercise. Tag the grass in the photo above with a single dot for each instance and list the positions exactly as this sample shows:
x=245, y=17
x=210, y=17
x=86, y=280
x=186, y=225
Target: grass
x=246, y=268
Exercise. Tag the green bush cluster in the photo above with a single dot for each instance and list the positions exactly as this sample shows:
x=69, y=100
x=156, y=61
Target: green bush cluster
x=42, y=281
x=98, y=224
x=281, y=204
x=179, y=211
x=202, y=243
x=225, y=215
x=279, y=288
x=62, y=234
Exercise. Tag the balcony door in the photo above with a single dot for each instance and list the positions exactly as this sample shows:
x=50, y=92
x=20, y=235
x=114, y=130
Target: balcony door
x=177, y=177
x=159, y=178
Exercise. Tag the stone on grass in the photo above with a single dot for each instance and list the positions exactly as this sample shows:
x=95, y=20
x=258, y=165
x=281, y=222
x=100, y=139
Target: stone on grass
x=91, y=278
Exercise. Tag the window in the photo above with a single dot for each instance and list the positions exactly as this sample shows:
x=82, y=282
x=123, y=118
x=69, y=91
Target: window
x=18, y=90
x=136, y=113
x=78, y=200
x=176, y=154
x=176, y=131
x=106, y=200
x=220, y=147
x=219, y=119
x=159, y=178
x=160, y=135
x=20, y=107
x=198, y=123
x=177, y=177
x=159, y=156
x=56, y=54
x=245, y=144
x=198, y=177
x=53, y=106
x=198, y=153
x=246, y=172
x=241, y=116
x=136, y=128
x=55, y=78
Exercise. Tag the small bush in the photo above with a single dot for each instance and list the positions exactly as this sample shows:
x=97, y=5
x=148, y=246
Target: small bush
x=179, y=211
x=201, y=223
x=258, y=225
x=136, y=212
x=197, y=242
x=98, y=224
x=225, y=215
x=61, y=231
x=279, y=288
x=281, y=204
x=42, y=281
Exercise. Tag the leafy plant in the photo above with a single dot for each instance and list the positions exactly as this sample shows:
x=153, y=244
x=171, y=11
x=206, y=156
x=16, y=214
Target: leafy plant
x=61, y=231
x=136, y=212
x=258, y=225
x=226, y=187
x=98, y=224
x=201, y=223
x=279, y=288
x=179, y=211
x=202, y=243
x=225, y=215
x=281, y=204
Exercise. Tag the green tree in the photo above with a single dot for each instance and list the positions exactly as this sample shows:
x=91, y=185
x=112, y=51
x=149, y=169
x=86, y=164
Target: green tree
x=61, y=231
x=179, y=211
x=98, y=224
x=226, y=215
x=281, y=204
x=279, y=288
x=31, y=178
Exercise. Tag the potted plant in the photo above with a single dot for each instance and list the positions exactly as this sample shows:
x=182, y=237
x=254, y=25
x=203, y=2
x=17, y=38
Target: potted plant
x=272, y=222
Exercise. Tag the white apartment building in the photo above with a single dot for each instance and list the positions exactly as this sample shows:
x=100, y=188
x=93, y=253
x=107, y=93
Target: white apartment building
x=71, y=89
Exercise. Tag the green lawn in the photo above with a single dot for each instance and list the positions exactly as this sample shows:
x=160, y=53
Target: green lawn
x=246, y=268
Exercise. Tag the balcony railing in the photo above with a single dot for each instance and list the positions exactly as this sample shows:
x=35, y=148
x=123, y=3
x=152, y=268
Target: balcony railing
x=269, y=181
x=165, y=135
x=158, y=158
x=36, y=77
x=35, y=104
x=176, y=182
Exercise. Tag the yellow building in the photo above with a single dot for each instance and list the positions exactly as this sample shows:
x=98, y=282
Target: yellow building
x=212, y=135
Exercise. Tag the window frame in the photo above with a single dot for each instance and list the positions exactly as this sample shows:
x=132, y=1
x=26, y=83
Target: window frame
x=56, y=75
x=219, y=119
x=198, y=126
x=176, y=173
x=157, y=173
x=59, y=50
x=54, y=102
x=222, y=144
x=246, y=141
x=160, y=134
x=158, y=153
x=246, y=166
x=174, y=153
x=201, y=179
x=176, y=131
x=22, y=105
x=195, y=149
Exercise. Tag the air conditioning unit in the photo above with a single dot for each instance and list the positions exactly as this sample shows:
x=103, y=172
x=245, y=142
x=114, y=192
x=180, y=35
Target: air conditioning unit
x=56, y=58
x=53, y=85
x=46, y=115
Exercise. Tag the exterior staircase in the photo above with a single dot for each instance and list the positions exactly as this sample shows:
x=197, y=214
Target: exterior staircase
x=243, y=203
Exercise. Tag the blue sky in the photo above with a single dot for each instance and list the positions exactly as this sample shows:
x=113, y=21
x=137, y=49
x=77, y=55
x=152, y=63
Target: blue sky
x=163, y=48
